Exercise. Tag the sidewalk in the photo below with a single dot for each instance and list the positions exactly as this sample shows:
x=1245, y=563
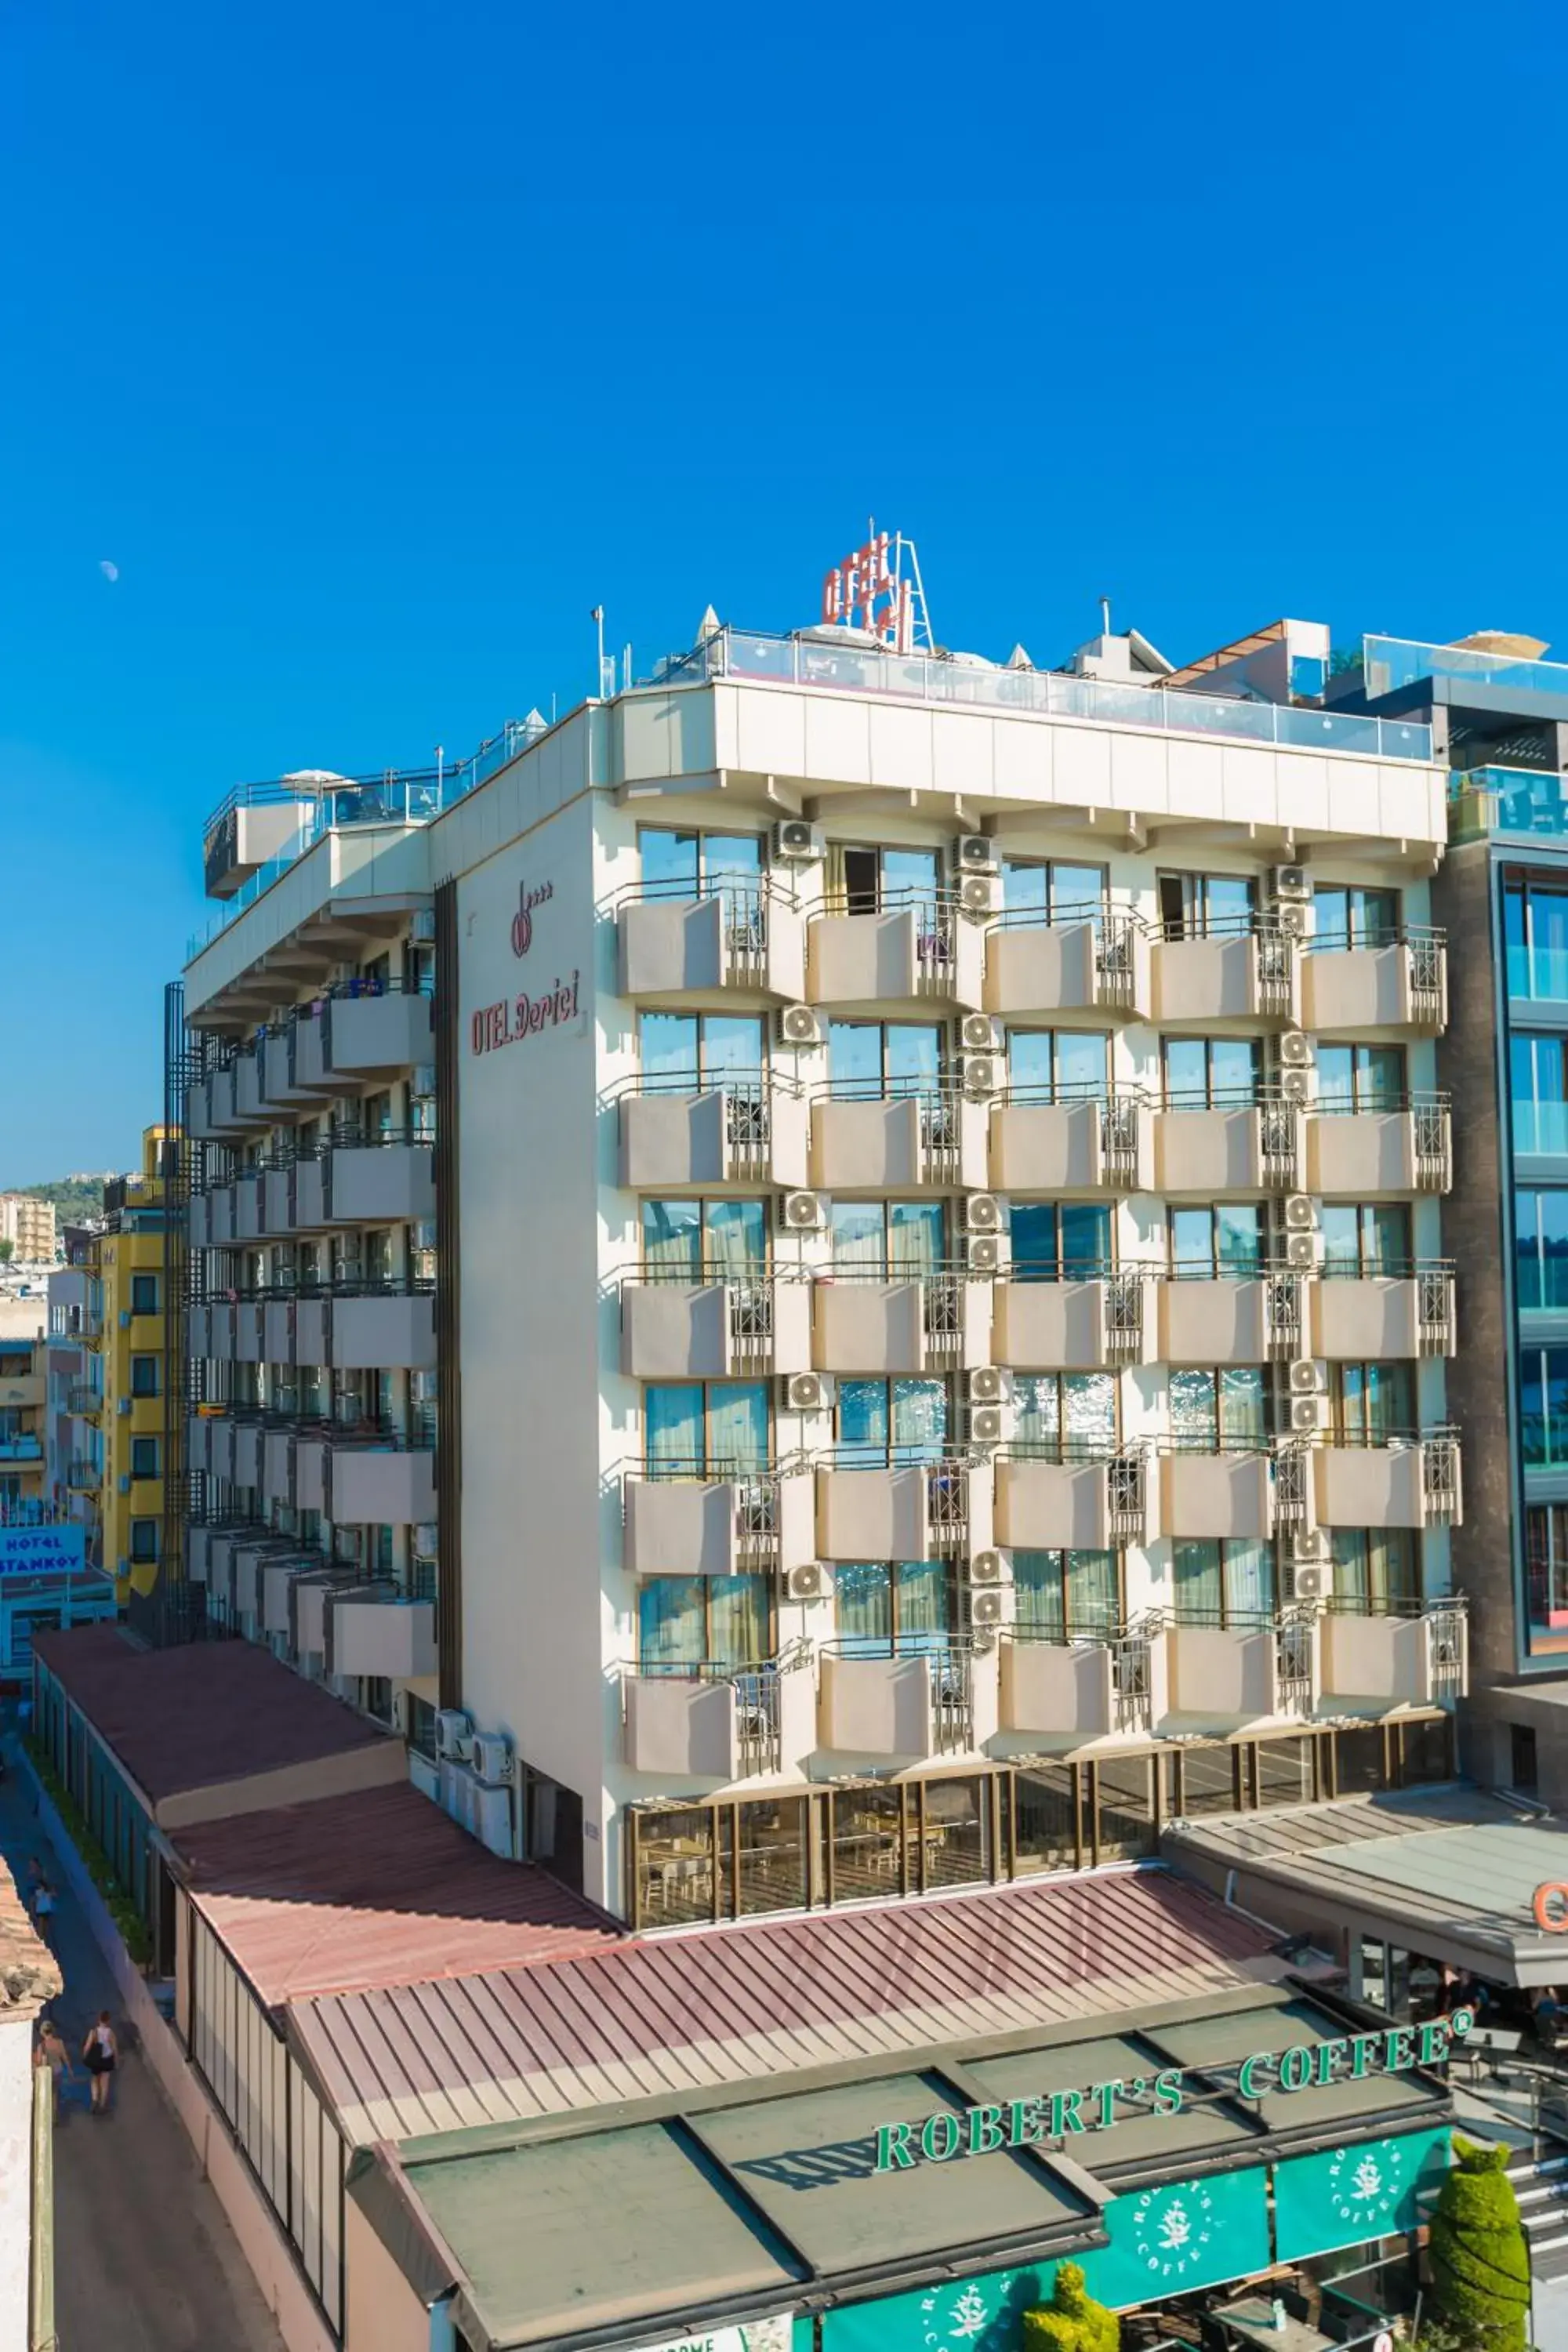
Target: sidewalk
x=144, y=2260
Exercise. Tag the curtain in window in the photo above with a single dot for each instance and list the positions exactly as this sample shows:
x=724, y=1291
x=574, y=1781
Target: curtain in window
x=671, y=1620
x=1193, y=1412
x=672, y=1239
x=913, y=1058
x=1242, y=1408
x=863, y=1419
x=672, y=1420
x=862, y=1596
x=915, y=1237
x=920, y=1419
x=835, y=887
x=1037, y=1397
x=667, y=1046
x=1039, y=1601
x=922, y=1602
x=736, y=1239
x=1089, y=1407
x=737, y=1427
x=1092, y=1597
x=1199, y=1593
x=1248, y=1580
x=740, y=1620
x=860, y=1236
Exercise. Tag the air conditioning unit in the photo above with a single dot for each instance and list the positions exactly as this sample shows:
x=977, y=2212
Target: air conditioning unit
x=1296, y=1049
x=793, y=841
x=986, y=1568
x=982, y=1213
x=454, y=1733
x=802, y=1212
x=807, y=1391
x=1299, y=1215
x=1290, y=919
x=494, y=1761
x=974, y=854
x=979, y=893
x=424, y=1079
x=1302, y=1252
x=425, y=1540
x=1311, y=1583
x=422, y=929
x=1295, y=1087
x=982, y=1253
x=986, y=1384
x=980, y=1074
x=798, y=1026
x=124, y=1484
x=1301, y=1377
x=984, y=1425
x=1309, y=1544
x=1303, y=1415
x=978, y=1034
x=811, y=1580
x=1289, y=882
x=986, y=1606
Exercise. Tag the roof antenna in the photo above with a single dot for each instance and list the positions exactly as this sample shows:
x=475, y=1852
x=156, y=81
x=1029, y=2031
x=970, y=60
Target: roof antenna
x=1105, y=616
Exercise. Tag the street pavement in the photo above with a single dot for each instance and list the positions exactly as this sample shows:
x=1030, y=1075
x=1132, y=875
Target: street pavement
x=144, y=2260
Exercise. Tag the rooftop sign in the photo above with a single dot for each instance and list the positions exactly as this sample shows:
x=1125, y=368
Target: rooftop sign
x=1056, y=2115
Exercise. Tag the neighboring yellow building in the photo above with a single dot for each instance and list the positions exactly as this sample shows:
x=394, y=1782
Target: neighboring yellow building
x=24, y=1389
x=128, y=1298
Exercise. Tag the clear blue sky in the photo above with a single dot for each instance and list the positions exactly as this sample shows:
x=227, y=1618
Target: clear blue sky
x=375, y=344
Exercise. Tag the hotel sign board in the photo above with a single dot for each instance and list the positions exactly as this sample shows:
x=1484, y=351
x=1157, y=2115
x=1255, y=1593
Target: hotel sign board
x=1056, y=2115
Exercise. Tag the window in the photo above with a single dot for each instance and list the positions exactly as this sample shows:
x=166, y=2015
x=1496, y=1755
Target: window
x=676, y=864
x=706, y=1429
x=1535, y=933
x=1075, y=1409
x=143, y=1457
x=1049, y=1240
x=1212, y=1073
x=1225, y=1409
x=1348, y=917
x=1052, y=892
x=143, y=1294
x=144, y=1540
x=1372, y=1402
x=144, y=1376
x=888, y=1238
x=905, y=1604
x=1537, y=1084
x=690, y=1621
x=1205, y=906
x=1376, y=1569
x=858, y=881
x=1370, y=1237
x=1224, y=1580
x=1543, y=1405
x=1541, y=1249
x=888, y=1423
x=1546, y=1574
x=1227, y=1239
x=1360, y=1078
x=683, y=1051
x=1065, y=1596
x=704, y=1240
x=870, y=1058
x=1058, y=1065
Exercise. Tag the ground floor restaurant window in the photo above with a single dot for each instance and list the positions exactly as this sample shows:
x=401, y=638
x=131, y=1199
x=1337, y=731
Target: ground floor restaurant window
x=852, y=1844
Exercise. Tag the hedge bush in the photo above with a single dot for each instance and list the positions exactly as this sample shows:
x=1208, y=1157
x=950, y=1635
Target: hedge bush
x=1481, y=2260
x=1072, y=2321
x=129, y=1923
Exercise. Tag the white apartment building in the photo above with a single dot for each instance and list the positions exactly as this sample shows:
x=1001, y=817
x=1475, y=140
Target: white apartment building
x=29, y=1226
x=827, y=1277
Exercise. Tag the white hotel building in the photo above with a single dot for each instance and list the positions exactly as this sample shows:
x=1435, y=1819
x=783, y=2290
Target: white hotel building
x=827, y=1277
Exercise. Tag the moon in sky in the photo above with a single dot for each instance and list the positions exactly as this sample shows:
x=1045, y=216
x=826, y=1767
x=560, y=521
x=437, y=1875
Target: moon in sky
x=109, y=571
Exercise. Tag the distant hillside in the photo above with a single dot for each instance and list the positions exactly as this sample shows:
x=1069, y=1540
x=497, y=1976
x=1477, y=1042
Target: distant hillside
x=75, y=1198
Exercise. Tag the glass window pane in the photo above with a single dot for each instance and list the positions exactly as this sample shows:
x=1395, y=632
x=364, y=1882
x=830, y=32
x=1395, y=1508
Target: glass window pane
x=1089, y=1400
x=1380, y=1074
x=739, y=1616
x=1330, y=927
x=1083, y=1061
x=1186, y=1072
x=914, y=1056
x=920, y=1419
x=1208, y=1780
x=672, y=1238
x=1023, y=887
x=1039, y=1593
x=671, y=1622
x=1532, y=1406
x=737, y=1427
x=1125, y=1811
x=1285, y=1772
x=855, y=1055
x=1515, y=940
x=1242, y=1407
x=1549, y=944
x=772, y=1874
x=672, y=1419
x=737, y=1236
x=863, y=1416
x=957, y=1840
x=908, y=876
x=1336, y=1077
x=1033, y=1238
x=1230, y=900
x=1077, y=891
x=674, y=1872
x=916, y=1236
x=1240, y=1232
x=1249, y=1571
x=922, y=1590
x=859, y=1235
x=1554, y=1217
x=1197, y=1579
x=1232, y=1065
x=1193, y=1407
x=1045, y=1832
x=1385, y=1227
x=669, y=863
x=1093, y=1600
x=1192, y=1240
x=1557, y=1404
x=731, y=1047
x=733, y=856
x=668, y=1046
x=1036, y=1400
x=1031, y=1060
x=862, y=1591
x=868, y=1843
x=1086, y=1234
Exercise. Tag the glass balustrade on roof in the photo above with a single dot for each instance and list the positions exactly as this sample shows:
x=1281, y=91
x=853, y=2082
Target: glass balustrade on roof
x=1391, y=663
x=1527, y=801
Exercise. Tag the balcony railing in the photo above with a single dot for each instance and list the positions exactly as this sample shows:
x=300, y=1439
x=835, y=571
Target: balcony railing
x=759, y=1747
x=1525, y=800
x=807, y=660
x=756, y=1526
x=950, y=1659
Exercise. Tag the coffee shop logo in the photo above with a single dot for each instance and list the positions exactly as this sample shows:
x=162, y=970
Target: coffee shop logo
x=959, y=2317
x=1172, y=2228
x=1364, y=2183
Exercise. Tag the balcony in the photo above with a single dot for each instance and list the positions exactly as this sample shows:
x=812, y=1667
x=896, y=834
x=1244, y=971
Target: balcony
x=1241, y=974
x=1098, y=967
x=681, y=1522
x=220, y=1216
x=277, y=1474
x=251, y=1333
x=929, y=1510
x=741, y=1131
x=1066, y=1691
x=249, y=1208
x=388, y=1179
x=753, y=1325
x=84, y=1400
x=250, y=1108
x=247, y=1434
x=1259, y=1666
x=1394, y=1482
x=1372, y=1319
x=390, y=1330
x=1082, y=1146
x=1226, y=1489
x=308, y=1470
x=1073, y=1499
x=27, y=1445
x=936, y=1323
x=1401, y=1146
x=311, y=1593
x=1245, y=1148
x=925, y=951
x=906, y=1705
x=1399, y=983
x=83, y=1476
x=1371, y=1663
x=278, y=1333
x=1526, y=802
x=379, y=1631
x=734, y=939
x=349, y=1036
x=1238, y=1319
x=196, y=1231
x=715, y=1721
x=379, y=1484
x=876, y=1142
x=281, y=1090
x=1074, y=1326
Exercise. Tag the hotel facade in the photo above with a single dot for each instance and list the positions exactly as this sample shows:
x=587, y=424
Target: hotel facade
x=827, y=1280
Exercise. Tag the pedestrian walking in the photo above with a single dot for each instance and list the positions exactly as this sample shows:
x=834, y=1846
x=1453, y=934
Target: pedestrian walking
x=52, y=2053
x=101, y=2050
x=44, y=1912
